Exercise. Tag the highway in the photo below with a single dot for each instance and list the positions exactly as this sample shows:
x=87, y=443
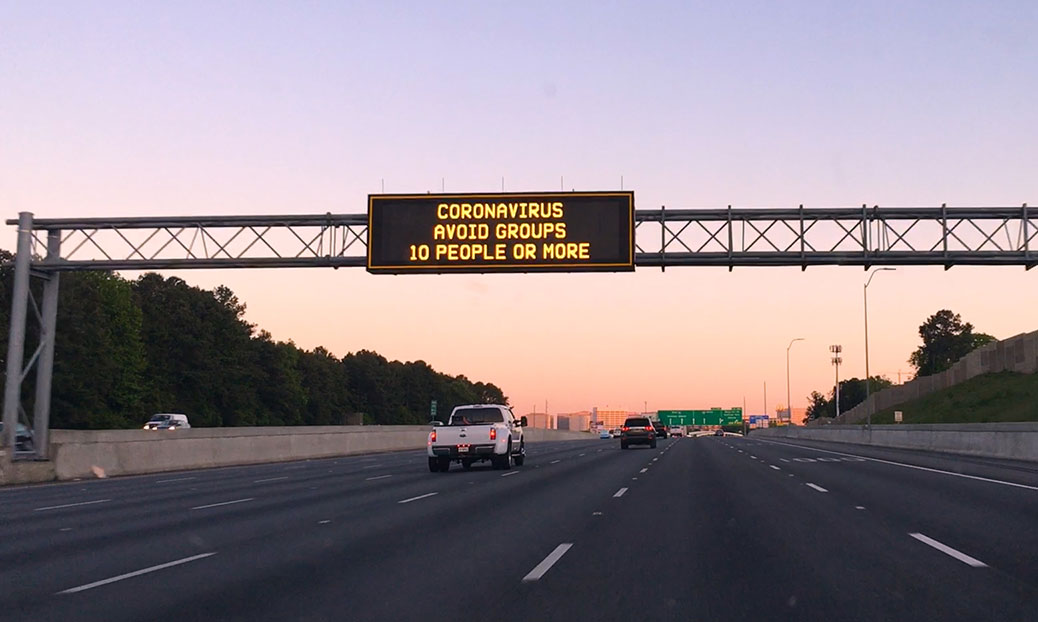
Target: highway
x=712, y=528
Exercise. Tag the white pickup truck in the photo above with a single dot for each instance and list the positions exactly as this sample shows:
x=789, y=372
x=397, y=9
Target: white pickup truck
x=476, y=433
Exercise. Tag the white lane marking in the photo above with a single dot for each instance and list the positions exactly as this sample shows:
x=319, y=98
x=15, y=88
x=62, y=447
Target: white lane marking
x=947, y=550
x=540, y=569
x=913, y=466
x=620, y=493
x=634, y=478
x=859, y=507
x=69, y=505
x=740, y=451
x=179, y=479
x=644, y=470
x=215, y=505
x=369, y=479
x=783, y=459
x=791, y=475
x=510, y=473
x=371, y=466
x=754, y=457
x=580, y=456
x=65, y=529
x=270, y=479
x=135, y=573
x=554, y=461
x=428, y=494
x=817, y=487
x=655, y=459
x=323, y=522
x=774, y=467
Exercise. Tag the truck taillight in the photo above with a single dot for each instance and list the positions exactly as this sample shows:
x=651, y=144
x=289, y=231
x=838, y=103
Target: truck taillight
x=432, y=437
x=493, y=434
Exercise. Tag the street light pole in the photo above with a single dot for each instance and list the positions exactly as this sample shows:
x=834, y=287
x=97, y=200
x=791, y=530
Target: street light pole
x=789, y=403
x=868, y=381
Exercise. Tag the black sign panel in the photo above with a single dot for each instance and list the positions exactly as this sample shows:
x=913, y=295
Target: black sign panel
x=506, y=232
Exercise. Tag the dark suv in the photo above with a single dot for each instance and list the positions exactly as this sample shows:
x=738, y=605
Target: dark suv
x=637, y=431
x=661, y=430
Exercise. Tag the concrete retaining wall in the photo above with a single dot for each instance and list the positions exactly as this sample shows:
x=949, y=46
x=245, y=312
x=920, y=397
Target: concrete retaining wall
x=1015, y=441
x=76, y=453
x=1019, y=354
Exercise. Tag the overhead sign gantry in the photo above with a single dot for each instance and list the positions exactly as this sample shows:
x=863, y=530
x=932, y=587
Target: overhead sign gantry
x=554, y=232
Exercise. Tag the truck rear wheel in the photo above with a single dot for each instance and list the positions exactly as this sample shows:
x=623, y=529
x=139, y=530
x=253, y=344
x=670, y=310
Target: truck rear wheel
x=434, y=465
x=445, y=464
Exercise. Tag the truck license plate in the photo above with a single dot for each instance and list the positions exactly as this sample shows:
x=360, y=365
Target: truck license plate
x=463, y=449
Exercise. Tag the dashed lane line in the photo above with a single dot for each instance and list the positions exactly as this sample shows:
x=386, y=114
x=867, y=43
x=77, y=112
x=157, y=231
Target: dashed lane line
x=540, y=569
x=136, y=573
x=947, y=550
x=69, y=505
x=216, y=505
x=425, y=496
x=816, y=487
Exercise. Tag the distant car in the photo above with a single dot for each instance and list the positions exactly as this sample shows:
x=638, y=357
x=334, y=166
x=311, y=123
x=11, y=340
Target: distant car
x=661, y=430
x=719, y=433
x=22, y=437
x=615, y=432
x=167, y=421
x=605, y=434
x=637, y=431
x=676, y=430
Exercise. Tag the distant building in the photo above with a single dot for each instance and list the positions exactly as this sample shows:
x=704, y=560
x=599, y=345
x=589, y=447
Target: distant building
x=610, y=419
x=782, y=415
x=578, y=421
x=543, y=421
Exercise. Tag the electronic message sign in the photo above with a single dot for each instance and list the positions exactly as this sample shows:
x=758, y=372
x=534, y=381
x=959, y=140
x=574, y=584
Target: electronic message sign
x=501, y=232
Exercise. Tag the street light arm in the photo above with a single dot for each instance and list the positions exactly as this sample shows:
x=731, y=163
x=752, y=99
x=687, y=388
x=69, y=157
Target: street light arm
x=874, y=274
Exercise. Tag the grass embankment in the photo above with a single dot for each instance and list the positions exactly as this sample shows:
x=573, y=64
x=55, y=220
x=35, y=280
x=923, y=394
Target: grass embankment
x=991, y=398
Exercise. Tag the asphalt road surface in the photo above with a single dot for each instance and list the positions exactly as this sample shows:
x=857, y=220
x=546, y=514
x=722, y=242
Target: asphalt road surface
x=697, y=529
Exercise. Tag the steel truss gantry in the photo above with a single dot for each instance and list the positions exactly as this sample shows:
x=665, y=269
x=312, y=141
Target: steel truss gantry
x=727, y=237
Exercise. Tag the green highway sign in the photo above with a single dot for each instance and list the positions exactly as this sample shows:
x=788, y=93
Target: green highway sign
x=714, y=416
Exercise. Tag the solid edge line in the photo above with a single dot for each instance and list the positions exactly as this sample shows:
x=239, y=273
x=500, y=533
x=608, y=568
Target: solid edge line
x=910, y=466
x=135, y=573
x=368, y=479
x=214, y=505
x=947, y=550
x=428, y=494
x=540, y=569
x=620, y=493
x=70, y=505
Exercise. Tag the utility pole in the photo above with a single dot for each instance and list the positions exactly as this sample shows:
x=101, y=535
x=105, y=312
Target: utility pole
x=837, y=350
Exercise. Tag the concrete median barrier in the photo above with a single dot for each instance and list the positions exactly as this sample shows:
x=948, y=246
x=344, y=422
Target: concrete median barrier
x=106, y=453
x=1013, y=441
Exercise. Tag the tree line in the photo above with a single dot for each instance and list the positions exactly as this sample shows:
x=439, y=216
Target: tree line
x=126, y=349
x=946, y=339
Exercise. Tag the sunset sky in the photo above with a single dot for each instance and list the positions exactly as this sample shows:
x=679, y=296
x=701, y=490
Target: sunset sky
x=200, y=108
